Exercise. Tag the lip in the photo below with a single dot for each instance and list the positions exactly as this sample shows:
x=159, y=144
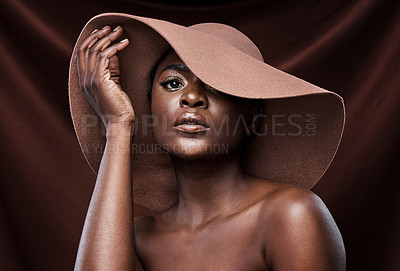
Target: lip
x=191, y=123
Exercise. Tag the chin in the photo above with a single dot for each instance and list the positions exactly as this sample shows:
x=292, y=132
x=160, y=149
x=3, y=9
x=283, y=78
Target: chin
x=190, y=151
x=192, y=148
x=198, y=150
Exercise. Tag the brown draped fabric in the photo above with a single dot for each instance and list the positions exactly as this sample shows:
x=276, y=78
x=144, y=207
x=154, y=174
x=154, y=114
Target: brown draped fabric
x=350, y=47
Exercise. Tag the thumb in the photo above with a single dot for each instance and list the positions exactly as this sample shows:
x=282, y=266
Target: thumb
x=114, y=69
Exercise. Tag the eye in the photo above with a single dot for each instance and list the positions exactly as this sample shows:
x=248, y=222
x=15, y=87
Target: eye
x=172, y=83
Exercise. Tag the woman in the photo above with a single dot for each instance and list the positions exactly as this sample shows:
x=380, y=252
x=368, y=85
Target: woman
x=232, y=210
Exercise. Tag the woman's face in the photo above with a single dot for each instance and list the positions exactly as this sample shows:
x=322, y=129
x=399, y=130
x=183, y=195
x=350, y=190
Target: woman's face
x=193, y=120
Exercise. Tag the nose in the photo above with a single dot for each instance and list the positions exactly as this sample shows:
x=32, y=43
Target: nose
x=194, y=96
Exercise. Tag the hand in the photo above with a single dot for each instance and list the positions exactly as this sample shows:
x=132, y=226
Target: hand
x=98, y=70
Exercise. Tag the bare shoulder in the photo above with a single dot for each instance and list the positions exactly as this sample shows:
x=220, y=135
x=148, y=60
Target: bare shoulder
x=290, y=203
x=295, y=224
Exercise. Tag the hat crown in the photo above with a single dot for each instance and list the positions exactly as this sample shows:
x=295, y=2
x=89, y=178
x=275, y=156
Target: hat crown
x=230, y=35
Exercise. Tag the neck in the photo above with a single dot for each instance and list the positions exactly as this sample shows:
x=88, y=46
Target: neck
x=208, y=188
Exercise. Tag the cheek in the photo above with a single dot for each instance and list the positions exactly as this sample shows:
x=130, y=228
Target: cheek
x=162, y=101
x=231, y=120
x=229, y=128
x=163, y=109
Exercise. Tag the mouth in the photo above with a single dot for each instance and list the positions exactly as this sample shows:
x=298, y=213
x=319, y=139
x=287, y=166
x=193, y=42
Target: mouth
x=191, y=123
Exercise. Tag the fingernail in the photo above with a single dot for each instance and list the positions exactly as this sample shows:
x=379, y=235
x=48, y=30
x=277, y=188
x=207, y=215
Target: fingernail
x=94, y=31
x=105, y=27
x=124, y=40
x=116, y=29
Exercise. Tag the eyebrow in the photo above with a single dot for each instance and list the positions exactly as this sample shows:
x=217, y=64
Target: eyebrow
x=179, y=67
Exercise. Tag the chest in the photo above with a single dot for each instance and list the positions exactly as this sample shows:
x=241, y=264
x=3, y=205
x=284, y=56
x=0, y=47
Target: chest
x=232, y=245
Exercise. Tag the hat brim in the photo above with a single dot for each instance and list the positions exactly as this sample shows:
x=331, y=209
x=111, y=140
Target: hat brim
x=302, y=126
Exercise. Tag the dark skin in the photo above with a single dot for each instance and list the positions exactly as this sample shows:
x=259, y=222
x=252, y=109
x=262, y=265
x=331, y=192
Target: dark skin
x=225, y=219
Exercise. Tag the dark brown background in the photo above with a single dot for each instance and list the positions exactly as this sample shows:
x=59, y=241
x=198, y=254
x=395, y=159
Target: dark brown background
x=350, y=47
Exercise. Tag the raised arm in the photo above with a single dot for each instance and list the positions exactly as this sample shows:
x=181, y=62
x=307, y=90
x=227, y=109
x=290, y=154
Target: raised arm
x=107, y=241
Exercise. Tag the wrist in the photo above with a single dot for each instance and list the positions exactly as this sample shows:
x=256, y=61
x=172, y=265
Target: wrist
x=122, y=129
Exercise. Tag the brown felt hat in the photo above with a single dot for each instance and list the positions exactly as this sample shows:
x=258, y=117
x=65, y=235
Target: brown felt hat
x=302, y=123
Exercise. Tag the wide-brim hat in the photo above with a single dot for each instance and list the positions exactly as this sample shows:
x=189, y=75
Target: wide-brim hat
x=302, y=123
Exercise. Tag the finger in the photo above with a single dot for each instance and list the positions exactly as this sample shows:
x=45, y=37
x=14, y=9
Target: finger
x=113, y=67
x=89, y=41
x=104, y=42
x=108, y=39
x=94, y=51
x=108, y=65
x=85, y=52
x=114, y=49
x=82, y=51
x=95, y=36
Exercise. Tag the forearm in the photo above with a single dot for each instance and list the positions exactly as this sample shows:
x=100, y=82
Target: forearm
x=107, y=241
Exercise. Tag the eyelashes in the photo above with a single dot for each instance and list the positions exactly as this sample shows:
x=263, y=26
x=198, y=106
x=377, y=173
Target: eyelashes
x=172, y=83
x=175, y=83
